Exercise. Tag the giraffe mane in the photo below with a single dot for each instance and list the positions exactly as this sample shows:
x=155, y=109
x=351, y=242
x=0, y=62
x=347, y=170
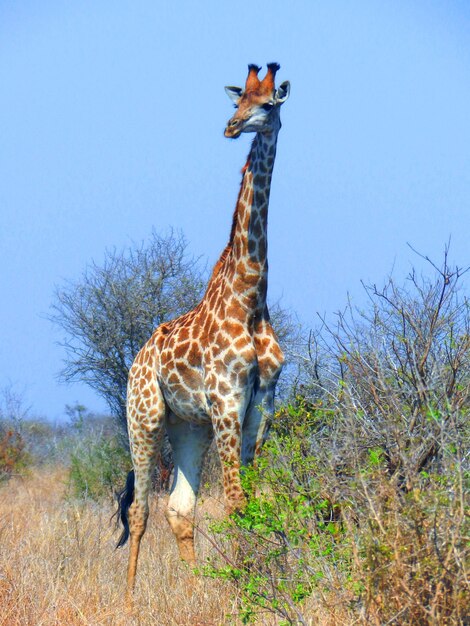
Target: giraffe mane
x=226, y=251
x=220, y=262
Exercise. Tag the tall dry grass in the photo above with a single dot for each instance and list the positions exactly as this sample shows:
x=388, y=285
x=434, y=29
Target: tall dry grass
x=58, y=565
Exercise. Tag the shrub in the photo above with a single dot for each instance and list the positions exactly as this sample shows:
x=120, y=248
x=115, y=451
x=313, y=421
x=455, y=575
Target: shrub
x=287, y=538
x=97, y=467
x=365, y=549
x=97, y=456
x=13, y=457
x=356, y=509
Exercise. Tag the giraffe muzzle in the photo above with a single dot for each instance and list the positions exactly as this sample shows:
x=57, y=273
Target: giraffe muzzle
x=233, y=128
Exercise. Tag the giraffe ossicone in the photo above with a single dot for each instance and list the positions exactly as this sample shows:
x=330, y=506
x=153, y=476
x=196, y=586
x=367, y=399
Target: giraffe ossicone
x=213, y=371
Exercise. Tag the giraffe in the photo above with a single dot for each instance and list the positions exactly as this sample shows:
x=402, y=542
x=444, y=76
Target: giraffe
x=212, y=372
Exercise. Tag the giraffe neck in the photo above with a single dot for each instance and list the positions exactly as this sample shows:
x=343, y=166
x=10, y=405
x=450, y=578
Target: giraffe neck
x=248, y=238
x=246, y=263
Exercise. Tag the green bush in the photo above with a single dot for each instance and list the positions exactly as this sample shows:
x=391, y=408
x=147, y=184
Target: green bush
x=289, y=537
x=352, y=542
x=97, y=467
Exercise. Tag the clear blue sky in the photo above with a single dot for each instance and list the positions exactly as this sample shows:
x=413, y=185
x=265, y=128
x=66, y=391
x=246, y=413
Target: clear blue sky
x=111, y=123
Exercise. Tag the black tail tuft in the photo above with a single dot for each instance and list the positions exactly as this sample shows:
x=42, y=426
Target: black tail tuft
x=125, y=498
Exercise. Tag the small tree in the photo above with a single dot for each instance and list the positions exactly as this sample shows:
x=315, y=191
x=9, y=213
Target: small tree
x=401, y=369
x=111, y=311
x=13, y=456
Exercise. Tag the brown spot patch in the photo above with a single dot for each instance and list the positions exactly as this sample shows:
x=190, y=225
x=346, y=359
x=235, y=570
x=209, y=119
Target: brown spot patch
x=224, y=388
x=229, y=357
x=173, y=379
x=188, y=375
x=183, y=334
x=194, y=354
x=262, y=343
x=219, y=366
x=234, y=310
x=181, y=350
x=277, y=353
x=222, y=341
x=241, y=343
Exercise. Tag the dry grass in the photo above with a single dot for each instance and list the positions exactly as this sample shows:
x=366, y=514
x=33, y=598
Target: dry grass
x=58, y=565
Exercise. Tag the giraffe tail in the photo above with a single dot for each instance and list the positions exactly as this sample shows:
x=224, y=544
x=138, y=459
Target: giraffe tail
x=125, y=498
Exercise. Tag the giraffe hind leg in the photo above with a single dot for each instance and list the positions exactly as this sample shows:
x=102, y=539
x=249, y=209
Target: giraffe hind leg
x=146, y=429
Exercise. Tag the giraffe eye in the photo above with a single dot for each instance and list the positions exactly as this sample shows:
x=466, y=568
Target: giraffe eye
x=268, y=106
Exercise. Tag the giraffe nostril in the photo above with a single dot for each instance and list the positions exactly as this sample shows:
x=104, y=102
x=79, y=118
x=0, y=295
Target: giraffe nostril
x=234, y=123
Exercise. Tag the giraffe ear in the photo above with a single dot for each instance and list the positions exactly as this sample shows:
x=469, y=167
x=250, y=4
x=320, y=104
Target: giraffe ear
x=283, y=92
x=234, y=93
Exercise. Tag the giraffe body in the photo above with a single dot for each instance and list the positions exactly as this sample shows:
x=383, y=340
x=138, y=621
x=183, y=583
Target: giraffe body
x=212, y=372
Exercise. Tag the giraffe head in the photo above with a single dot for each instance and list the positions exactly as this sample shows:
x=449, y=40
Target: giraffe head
x=258, y=104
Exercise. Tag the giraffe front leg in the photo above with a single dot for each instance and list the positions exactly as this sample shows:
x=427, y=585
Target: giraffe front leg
x=256, y=424
x=227, y=416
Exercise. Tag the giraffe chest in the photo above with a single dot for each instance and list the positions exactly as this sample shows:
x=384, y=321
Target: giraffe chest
x=222, y=368
x=212, y=358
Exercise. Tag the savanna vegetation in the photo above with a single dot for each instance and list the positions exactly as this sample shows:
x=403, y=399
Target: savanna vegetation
x=357, y=508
